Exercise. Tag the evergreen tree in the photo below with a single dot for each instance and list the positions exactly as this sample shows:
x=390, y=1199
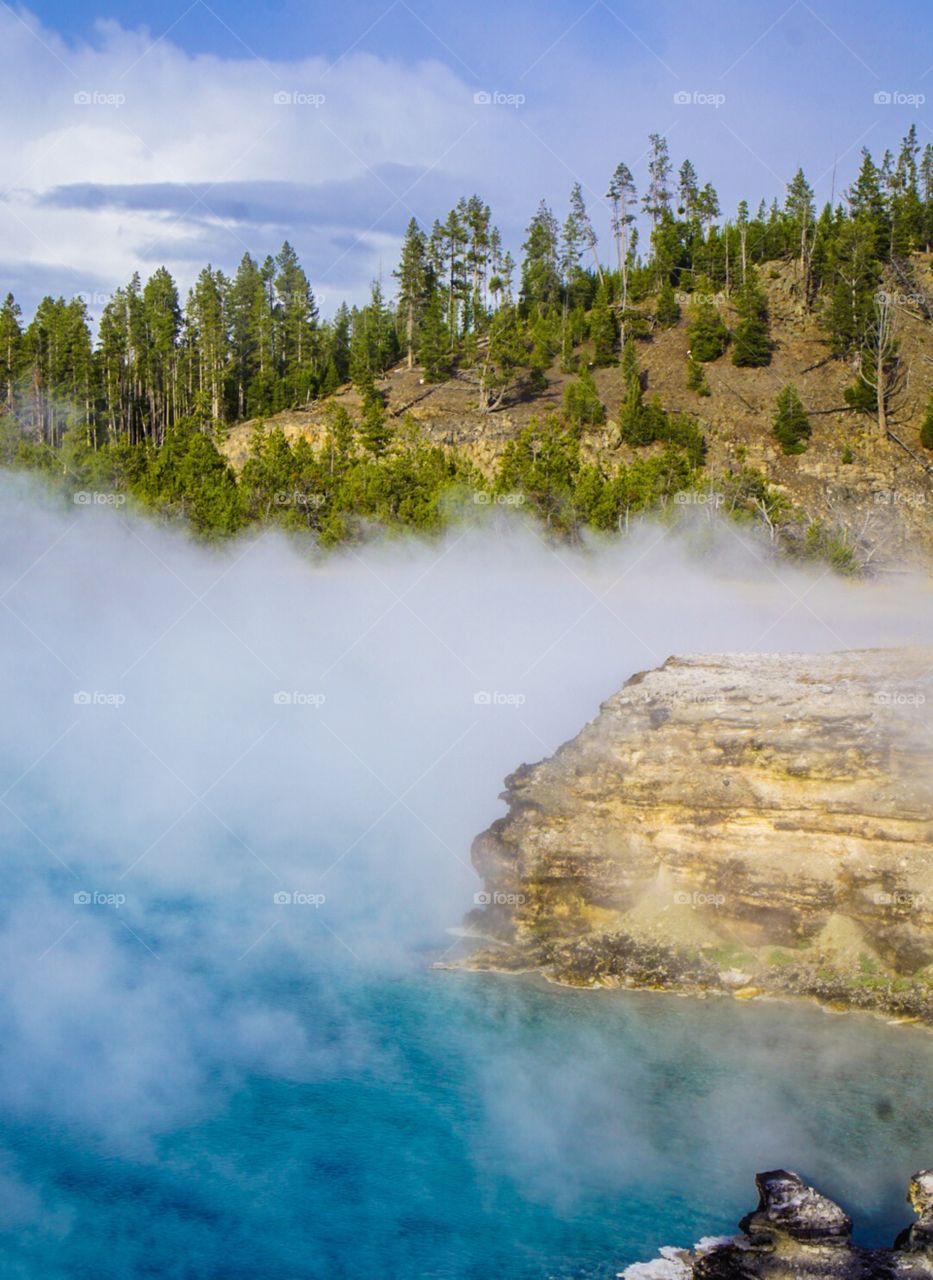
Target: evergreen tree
x=297, y=316
x=506, y=353
x=246, y=305
x=362, y=355
x=707, y=333
x=752, y=343
x=412, y=276
x=622, y=197
x=582, y=220
x=207, y=340
x=603, y=329
x=667, y=308
x=375, y=427
x=11, y=344
x=540, y=267
x=800, y=214
x=926, y=429
x=791, y=425
x=435, y=342
x=657, y=199
x=161, y=313
x=867, y=204
x=688, y=190
x=696, y=378
x=582, y=405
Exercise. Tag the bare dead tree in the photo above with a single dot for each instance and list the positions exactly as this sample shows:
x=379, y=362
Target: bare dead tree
x=880, y=366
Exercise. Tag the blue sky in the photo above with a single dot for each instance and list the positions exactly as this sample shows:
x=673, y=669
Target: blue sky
x=188, y=132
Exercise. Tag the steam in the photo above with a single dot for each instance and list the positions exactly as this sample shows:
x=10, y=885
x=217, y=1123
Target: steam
x=234, y=774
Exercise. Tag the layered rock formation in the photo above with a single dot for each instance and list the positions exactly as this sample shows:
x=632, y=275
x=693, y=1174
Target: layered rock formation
x=798, y=1234
x=739, y=823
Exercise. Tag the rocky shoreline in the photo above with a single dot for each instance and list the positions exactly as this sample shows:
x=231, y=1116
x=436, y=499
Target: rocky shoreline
x=796, y=1233
x=744, y=825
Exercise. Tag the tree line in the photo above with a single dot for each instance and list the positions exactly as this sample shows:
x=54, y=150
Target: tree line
x=142, y=406
x=251, y=344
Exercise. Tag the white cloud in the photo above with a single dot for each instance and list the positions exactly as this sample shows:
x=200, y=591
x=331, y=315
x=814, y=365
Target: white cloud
x=128, y=112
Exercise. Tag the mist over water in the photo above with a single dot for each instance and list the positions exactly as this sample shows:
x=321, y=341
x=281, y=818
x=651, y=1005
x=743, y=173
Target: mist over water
x=239, y=787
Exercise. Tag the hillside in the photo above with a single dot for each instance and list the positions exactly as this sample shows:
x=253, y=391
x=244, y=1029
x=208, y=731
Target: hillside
x=881, y=495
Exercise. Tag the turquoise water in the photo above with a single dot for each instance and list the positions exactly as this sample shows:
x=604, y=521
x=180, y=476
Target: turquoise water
x=199, y=1082
x=461, y=1125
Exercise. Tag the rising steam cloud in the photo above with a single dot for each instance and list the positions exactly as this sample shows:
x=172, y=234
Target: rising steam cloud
x=220, y=765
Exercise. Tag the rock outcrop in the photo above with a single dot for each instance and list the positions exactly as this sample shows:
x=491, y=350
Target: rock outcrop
x=743, y=824
x=798, y=1234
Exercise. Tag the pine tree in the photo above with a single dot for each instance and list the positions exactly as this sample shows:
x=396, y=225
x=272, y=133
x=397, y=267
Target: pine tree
x=622, y=194
x=435, y=343
x=752, y=342
x=854, y=273
x=245, y=309
x=297, y=315
x=696, y=378
x=657, y=199
x=375, y=428
x=667, y=308
x=791, y=425
x=707, y=333
x=867, y=204
x=540, y=267
x=582, y=220
x=412, y=276
x=926, y=430
x=688, y=190
x=361, y=355
x=582, y=405
x=339, y=439
x=339, y=342
x=603, y=329
x=800, y=215
x=208, y=336
x=506, y=352
x=162, y=319
x=11, y=343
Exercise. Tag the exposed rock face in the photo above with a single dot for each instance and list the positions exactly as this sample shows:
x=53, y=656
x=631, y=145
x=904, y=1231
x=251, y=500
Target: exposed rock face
x=743, y=823
x=798, y=1234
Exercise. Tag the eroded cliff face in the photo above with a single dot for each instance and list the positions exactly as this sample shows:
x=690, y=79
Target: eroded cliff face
x=798, y=1234
x=743, y=823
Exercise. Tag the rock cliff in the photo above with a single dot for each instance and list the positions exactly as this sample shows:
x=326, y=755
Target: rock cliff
x=798, y=1234
x=743, y=824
